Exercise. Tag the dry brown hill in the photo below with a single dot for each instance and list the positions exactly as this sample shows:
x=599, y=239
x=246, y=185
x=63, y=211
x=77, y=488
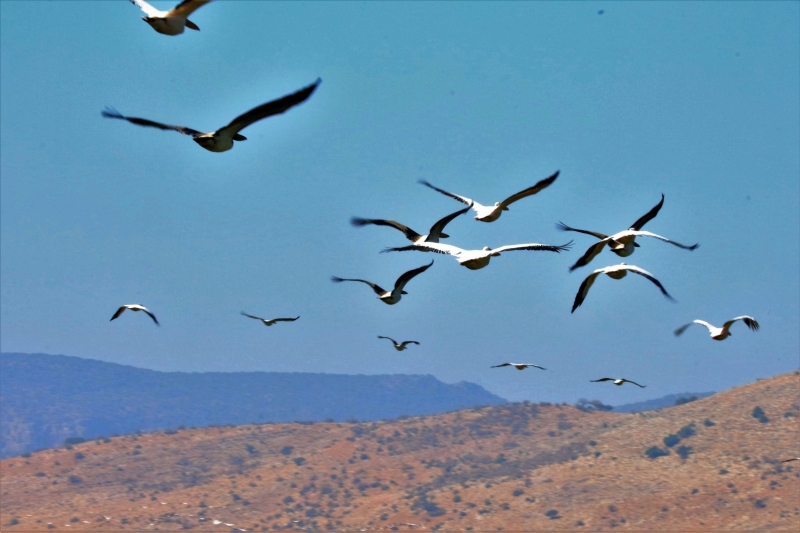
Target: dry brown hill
x=512, y=467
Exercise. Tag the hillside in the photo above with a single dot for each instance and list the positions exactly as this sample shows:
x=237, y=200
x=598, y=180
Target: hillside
x=659, y=403
x=48, y=398
x=514, y=467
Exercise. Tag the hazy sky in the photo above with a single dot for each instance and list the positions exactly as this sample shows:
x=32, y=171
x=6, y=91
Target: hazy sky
x=695, y=100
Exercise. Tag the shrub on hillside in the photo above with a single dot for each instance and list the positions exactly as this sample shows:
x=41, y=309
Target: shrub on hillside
x=287, y=450
x=708, y=423
x=759, y=413
x=299, y=460
x=552, y=514
x=654, y=452
x=75, y=480
x=671, y=440
x=73, y=440
x=683, y=451
x=686, y=431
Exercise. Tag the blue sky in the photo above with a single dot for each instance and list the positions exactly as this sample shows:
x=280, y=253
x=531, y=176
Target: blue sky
x=695, y=100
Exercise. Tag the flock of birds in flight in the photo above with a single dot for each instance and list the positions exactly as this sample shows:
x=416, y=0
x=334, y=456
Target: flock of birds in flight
x=623, y=243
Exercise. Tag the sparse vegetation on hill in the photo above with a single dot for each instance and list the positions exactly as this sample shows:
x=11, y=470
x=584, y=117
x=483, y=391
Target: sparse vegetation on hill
x=533, y=467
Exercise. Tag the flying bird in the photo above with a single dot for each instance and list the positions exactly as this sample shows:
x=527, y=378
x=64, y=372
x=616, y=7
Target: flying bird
x=624, y=242
x=477, y=259
x=490, y=213
x=222, y=139
x=719, y=334
x=170, y=22
x=435, y=233
x=790, y=460
x=401, y=346
x=618, y=382
x=269, y=322
x=137, y=308
x=519, y=366
x=614, y=272
x=393, y=296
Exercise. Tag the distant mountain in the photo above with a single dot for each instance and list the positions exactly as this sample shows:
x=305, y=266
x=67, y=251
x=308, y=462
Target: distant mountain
x=45, y=399
x=659, y=403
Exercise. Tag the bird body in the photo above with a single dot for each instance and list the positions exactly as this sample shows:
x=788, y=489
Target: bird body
x=271, y=321
x=720, y=334
x=490, y=213
x=519, y=366
x=222, y=139
x=618, y=381
x=135, y=308
x=399, y=346
x=435, y=233
x=614, y=272
x=170, y=22
x=477, y=259
x=393, y=296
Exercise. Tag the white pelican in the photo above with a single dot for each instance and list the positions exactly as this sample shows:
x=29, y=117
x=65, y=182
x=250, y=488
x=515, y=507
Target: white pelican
x=135, y=307
x=719, y=334
x=614, y=272
x=490, y=213
x=222, y=139
x=269, y=322
x=433, y=235
x=519, y=366
x=401, y=346
x=170, y=22
x=617, y=382
x=623, y=243
x=477, y=259
x=393, y=296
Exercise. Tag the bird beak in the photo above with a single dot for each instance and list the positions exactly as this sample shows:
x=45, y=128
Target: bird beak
x=191, y=25
x=403, y=292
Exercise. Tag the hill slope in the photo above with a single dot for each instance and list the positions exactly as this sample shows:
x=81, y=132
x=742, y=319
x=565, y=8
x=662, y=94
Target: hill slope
x=514, y=467
x=48, y=398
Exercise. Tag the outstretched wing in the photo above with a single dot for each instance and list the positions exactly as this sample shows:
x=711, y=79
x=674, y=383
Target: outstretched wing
x=629, y=381
x=119, y=312
x=563, y=227
x=434, y=247
x=389, y=338
x=644, y=273
x=436, y=229
x=251, y=316
x=749, y=321
x=378, y=290
x=275, y=107
x=601, y=379
x=659, y=237
x=583, y=290
x=650, y=215
x=110, y=112
x=187, y=7
x=462, y=199
x=151, y=315
x=534, y=246
x=530, y=190
x=408, y=276
x=149, y=10
x=406, y=343
x=590, y=254
x=409, y=233
x=678, y=332
x=504, y=364
x=285, y=319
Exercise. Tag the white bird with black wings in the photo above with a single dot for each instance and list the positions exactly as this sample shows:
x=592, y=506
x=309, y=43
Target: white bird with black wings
x=435, y=233
x=393, y=296
x=614, y=272
x=719, y=334
x=519, y=366
x=477, y=259
x=222, y=139
x=270, y=321
x=170, y=22
x=399, y=346
x=136, y=308
x=617, y=381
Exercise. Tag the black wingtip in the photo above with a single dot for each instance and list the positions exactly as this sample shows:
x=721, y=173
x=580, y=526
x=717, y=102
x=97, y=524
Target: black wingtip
x=336, y=279
x=110, y=112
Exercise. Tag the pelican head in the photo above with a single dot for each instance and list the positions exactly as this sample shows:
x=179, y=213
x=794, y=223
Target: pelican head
x=487, y=249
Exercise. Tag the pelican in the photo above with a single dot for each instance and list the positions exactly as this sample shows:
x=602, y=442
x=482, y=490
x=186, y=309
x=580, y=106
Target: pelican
x=490, y=213
x=623, y=243
x=617, y=382
x=135, y=307
x=170, y=22
x=269, y=322
x=614, y=272
x=719, y=334
x=791, y=459
x=222, y=139
x=393, y=296
x=435, y=233
x=477, y=259
x=519, y=366
x=401, y=346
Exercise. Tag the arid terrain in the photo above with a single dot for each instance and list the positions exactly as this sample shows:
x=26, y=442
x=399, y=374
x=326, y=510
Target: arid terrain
x=712, y=464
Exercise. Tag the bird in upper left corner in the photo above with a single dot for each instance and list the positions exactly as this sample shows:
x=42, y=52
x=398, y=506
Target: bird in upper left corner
x=135, y=307
x=171, y=22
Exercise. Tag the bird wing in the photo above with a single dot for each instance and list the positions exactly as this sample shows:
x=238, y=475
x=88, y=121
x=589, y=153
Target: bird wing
x=187, y=7
x=149, y=10
x=285, y=319
x=659, y=237
x=275, y=107
x=650, y=215
x=389, y=338
x=534, y=246
x=648, y=275
x=629, y=381
x=749, y=321
x=151, y=315
x=408, y=276
x=680, y=330
x=563, y=227
x=583, y=290
x=462, y=199
x=251, y=316
x=601, y=379
x=119, y=312
x=537, y=366
x=110, y=112
x=409, y=233
x=406, y=343
x=504, y=364
x=434, y=247
x=590, y=254
x=530, y=190
x=436, y=229
x=378, y=290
